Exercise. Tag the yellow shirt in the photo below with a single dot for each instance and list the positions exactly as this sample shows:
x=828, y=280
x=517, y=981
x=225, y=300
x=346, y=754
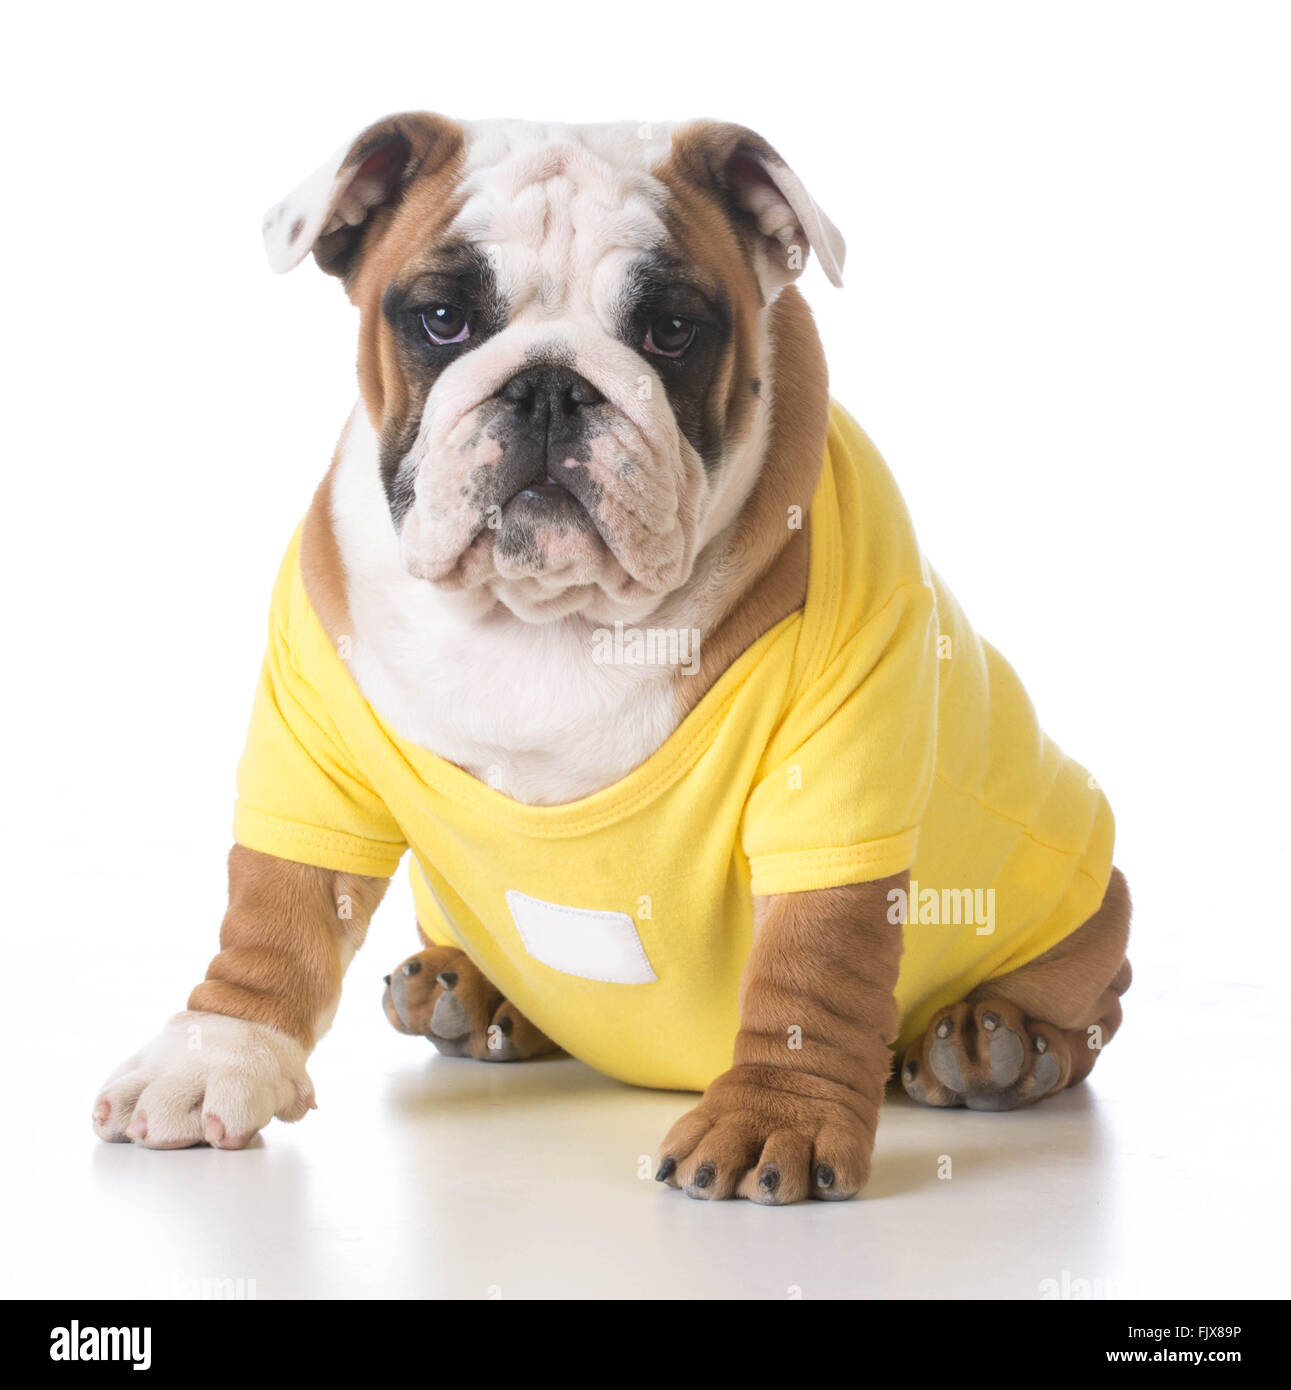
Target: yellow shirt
x=868, y=732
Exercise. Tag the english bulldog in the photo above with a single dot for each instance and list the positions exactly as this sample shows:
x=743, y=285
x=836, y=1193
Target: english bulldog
x=616, y=621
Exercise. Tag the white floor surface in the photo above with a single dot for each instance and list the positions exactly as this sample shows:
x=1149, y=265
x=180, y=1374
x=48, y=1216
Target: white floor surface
x=422, y=1177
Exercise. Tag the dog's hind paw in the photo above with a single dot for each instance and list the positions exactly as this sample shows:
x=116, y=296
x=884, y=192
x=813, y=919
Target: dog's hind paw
x=986, y=1056
x=442, y=995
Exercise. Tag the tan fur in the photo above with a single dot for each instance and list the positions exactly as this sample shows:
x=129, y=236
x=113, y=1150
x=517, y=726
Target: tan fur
x=321, y=567
x=766, y=567
x=796, y=1114
x=394, y=238
x=764, y=571
x=703, y=229
x=404, y=234
x=285, y=941
x=426, y=143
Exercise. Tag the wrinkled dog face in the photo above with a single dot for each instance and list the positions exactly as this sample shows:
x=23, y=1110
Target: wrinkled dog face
x=545, y=456
x=561, y=343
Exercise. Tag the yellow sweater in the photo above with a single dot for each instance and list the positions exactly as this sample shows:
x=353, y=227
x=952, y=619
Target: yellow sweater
x=868, y=732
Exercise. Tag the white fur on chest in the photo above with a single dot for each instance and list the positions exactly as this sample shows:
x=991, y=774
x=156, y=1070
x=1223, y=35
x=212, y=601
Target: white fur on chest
x=522, y=707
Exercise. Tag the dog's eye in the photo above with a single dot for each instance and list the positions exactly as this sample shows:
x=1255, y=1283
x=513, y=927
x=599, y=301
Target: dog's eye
x=446, y=323
x=669, y=336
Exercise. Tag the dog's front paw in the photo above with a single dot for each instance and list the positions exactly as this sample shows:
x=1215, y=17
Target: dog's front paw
x=441, y=994
x=773, y=1137
x=205, y=1079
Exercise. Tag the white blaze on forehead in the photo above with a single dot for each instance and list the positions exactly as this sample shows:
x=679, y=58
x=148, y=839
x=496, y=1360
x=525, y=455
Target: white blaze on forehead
x=551, y=203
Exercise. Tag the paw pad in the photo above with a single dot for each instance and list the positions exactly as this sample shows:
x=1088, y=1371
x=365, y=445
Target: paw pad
x=985, y=1056
x=449, y=1018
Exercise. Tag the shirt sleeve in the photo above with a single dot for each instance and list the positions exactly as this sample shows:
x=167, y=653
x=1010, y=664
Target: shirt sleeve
x=300, y=795
x=847, y=774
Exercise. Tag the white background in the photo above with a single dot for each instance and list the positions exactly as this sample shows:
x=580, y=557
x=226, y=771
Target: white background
x=1066, y=325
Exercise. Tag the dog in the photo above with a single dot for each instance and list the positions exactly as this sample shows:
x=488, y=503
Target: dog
x=609, y=613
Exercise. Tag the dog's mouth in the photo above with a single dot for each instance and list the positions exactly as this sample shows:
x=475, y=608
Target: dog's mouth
x=540, y=517
x=544, y=531
x=549, y=490
x=550, y=502
x=582, y=504
x=565, y=504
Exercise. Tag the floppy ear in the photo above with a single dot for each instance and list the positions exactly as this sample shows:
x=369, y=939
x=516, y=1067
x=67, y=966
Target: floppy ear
x=337, y=205
x=765, y=198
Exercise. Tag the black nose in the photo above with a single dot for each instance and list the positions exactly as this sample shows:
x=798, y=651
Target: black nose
x=550, y=391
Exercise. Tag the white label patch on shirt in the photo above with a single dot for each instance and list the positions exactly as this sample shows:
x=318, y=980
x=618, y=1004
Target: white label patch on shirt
x=581, y=941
